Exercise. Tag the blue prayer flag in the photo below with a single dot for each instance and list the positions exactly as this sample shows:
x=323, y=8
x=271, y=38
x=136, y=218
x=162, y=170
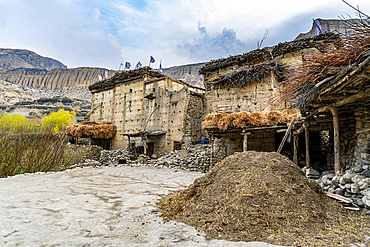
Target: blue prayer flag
x=138, y=65
x=152, y=60
x=160, y=67
x=127, y=65
x=318, y=27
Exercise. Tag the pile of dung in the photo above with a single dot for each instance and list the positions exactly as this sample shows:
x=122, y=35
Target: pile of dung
x=260, y=196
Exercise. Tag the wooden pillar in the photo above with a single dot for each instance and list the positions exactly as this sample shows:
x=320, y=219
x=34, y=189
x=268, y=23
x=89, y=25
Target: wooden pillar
x=129, y=143
x=337, y=167
x=145, y=145
x=307, y=134
x=89, y=140
x=295, y=149
x=245, y=141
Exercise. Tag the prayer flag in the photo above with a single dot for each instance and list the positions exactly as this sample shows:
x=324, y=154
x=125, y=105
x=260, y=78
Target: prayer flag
x=152, y=60
x=318, y=27
x=127, y=65
x=100, y=77
x=160, y=67
x=106, y=74
x=138, y=65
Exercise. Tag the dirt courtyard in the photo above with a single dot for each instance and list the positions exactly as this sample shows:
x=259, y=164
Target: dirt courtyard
x=107, y=206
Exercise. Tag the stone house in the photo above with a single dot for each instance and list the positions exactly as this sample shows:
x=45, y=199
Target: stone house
x=246, y=83
x=149, y=109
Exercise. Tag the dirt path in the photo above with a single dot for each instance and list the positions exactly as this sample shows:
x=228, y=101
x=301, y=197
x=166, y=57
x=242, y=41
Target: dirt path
x=109, y=206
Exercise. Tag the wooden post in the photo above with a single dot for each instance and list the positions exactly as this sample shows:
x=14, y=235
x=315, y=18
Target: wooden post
x=295, y=149
x=245, y=141
x=145, y=145
x=306, y=135
x=129, y=143
x=337, y=167
x=89, y=140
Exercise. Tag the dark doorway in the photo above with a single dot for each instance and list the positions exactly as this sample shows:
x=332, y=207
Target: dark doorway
x=150, y=148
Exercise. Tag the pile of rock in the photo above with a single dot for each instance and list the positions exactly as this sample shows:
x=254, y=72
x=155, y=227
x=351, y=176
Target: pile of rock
x=355, y=184
x=195, y=158
x=111, y=157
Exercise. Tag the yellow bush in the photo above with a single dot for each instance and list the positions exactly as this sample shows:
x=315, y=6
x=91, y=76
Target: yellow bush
x=58, y=121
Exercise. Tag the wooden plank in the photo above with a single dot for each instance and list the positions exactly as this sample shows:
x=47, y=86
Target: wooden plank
x=286, y=135
x=339, y=198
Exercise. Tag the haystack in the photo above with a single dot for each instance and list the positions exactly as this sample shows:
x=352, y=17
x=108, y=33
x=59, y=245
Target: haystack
x=260, y=196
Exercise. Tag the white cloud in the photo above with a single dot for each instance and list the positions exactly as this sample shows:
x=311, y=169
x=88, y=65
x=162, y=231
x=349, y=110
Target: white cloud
x=104, y=33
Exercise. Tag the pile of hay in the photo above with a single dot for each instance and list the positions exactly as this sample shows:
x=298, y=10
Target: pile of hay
x=98, y=131
x=260, y=196
x=243, y=119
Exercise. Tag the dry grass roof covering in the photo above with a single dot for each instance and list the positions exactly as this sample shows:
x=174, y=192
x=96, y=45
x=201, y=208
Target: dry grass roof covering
x=349, y=56
x=225, y=121
x=266, y=54
x=260, y=196
x=240, y=77
x=123, y=76
x=98, y=131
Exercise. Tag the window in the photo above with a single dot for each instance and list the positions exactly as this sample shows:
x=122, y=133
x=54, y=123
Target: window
x=130, y=90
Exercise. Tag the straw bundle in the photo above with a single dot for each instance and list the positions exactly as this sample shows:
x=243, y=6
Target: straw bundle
x=273, y=117
x=226, y=121
x=242, y=119
x=100, y=131
x=288, y=114
x=257, y=118
x=210, y=120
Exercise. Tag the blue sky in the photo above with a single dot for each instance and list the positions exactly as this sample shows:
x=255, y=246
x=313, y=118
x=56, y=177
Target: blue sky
x=99, y=33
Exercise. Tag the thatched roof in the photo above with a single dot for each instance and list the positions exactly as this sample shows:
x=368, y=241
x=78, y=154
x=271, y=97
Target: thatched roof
x=125, y=76
x=246, y=75
x=267, y=53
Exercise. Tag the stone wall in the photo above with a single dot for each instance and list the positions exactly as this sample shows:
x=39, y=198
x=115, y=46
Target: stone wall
x=362, y=149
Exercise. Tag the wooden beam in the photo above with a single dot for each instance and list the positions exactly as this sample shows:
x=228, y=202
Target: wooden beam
x=307, y=136
x=345, y=101
x=337, y=167
x=286, y=135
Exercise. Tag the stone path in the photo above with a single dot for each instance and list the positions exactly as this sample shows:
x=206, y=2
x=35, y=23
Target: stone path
x=108, y=206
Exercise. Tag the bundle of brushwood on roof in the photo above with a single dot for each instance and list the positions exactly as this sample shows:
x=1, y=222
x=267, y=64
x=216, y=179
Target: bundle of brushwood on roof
x=253, y=57
x=225, y=121
x=321, y=71
x=123, y=76
x=93, y=130
x=293, y=46
x=243, y=76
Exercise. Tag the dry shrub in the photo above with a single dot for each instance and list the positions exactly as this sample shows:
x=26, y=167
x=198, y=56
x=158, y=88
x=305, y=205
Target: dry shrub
x=273, y=117
x=89, y=130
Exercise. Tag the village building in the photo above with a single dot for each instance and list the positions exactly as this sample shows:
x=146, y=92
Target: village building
x=247, y=82
x=150, y=110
